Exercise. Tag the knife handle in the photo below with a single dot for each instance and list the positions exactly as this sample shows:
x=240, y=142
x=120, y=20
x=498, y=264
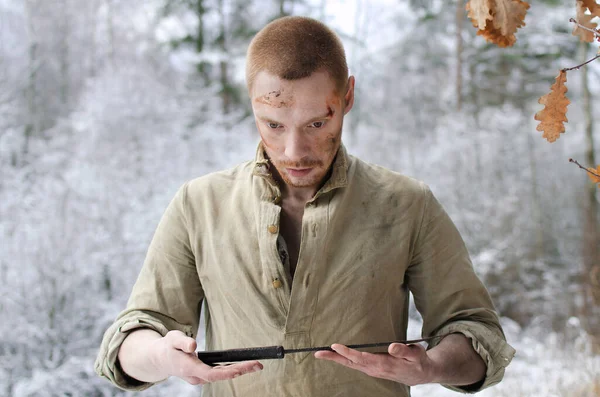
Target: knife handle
x=234, y=355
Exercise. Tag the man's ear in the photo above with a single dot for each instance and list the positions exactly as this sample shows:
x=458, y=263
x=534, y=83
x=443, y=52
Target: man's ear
x=349, y=97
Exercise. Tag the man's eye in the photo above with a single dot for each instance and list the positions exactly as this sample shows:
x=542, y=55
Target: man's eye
x=273, y=125
x=317, y=124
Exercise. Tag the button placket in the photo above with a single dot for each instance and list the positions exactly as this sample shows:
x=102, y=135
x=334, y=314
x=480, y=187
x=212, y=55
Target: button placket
x=273, y=269
x=304, y=293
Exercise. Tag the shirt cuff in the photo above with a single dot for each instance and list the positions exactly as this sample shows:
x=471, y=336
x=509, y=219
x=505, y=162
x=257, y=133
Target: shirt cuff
x=107, y=363
x=489, y=343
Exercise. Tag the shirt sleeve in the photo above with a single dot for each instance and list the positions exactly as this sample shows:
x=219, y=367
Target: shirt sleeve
x=450, y=296
x=166, y=296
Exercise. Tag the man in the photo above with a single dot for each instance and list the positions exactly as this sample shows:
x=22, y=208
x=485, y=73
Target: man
x=305, y=246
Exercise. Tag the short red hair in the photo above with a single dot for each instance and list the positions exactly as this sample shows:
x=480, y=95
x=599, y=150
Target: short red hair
x=295, y=47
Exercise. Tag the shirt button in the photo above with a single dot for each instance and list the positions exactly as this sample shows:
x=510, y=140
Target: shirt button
x=272, y=229
x=277, y=283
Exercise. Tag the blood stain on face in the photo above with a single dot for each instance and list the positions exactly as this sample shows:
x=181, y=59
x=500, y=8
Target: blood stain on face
x=330, y=111
x=269, y=99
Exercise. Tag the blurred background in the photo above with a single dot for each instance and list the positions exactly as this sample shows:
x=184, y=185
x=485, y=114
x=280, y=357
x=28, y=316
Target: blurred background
x=108, y=106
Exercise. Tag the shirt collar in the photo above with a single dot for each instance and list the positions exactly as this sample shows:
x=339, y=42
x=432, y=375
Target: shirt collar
x=338, y=177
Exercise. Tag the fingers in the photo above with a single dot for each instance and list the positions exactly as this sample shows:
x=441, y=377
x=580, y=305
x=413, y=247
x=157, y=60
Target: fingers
x=376, y=365
x=354, y=356
x=181, y=341
x=344, y=355
x=224, y=372
x=180, y=360
x=197, y=372
x=404, y=363
x=407, y=352
x=332, y=356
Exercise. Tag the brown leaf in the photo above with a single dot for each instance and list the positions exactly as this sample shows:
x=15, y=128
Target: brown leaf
x=493, y=35
x=509, y=16
x=591, y=5
x=594, y=174
x=480, y=11
x=554, y=114
x=586, y=20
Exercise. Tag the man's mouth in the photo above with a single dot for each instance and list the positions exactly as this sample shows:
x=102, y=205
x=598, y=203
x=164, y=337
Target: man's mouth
x=298, y=171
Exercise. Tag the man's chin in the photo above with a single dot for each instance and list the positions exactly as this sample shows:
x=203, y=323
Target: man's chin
x=312, y=179
x=296, y=182
x=299, y=182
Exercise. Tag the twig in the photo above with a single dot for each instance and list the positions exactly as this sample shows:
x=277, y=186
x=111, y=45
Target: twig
x=595, y=32
x=589, y=170
x=583, y=64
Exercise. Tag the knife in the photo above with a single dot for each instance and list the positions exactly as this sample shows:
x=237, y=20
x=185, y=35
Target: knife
x=278, y=352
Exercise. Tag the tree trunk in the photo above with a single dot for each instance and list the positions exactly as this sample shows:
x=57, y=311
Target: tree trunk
x=361, y=31
x=64, y=58
x=92, y=23
x=460, y=18
x=226, y=88
x=591, y=237
x=282, y=12
x=111, y=32
x=199, y=40
x=538, y=248
x=32, y=125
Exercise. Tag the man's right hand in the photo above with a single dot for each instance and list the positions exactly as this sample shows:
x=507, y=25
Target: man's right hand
x=148, y=357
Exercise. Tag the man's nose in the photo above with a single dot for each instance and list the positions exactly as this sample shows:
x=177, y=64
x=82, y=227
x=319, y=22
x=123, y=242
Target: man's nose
x=296, y=146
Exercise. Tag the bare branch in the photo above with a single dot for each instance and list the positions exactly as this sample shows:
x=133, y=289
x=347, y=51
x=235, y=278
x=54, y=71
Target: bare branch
x=585, y=63
x=595, y=32
x=591, y=171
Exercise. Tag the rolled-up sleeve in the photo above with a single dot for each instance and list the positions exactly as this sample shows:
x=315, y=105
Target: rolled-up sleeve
x=450, y=296
x=489, y=343
x=166, y=296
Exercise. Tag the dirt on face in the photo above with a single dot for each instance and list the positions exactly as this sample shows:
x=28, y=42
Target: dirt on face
x=275, y=99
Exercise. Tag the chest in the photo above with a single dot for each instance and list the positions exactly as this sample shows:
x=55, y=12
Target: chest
x=341, y=252
x=291, y=231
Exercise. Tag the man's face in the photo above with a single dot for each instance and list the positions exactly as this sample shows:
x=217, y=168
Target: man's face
x=300, y=124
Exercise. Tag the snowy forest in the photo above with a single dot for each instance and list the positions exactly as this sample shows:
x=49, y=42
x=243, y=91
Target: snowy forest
x=108, y=106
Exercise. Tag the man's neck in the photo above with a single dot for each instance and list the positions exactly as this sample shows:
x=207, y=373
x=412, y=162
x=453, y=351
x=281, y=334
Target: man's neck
x=297, y=194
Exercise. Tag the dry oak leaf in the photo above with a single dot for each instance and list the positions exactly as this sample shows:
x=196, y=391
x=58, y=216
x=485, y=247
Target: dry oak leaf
x=554, y=114
x=493, y=35
x=594, y=174
x=586, y=20
x=592, y=6
x=480, y=11
x=509, y=16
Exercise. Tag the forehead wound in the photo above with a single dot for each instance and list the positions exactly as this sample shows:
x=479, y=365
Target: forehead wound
x=276, y=98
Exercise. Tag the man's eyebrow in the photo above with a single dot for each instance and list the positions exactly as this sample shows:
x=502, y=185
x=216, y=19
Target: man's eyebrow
x=327, y=115
x=265, y=118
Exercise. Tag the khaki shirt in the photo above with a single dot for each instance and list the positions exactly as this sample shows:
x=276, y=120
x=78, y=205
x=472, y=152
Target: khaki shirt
x=369, y=236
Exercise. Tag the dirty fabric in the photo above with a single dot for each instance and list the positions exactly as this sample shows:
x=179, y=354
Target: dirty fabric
x=369, y=236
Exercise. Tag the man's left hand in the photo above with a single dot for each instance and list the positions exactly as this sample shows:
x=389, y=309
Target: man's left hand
x=407, y=364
